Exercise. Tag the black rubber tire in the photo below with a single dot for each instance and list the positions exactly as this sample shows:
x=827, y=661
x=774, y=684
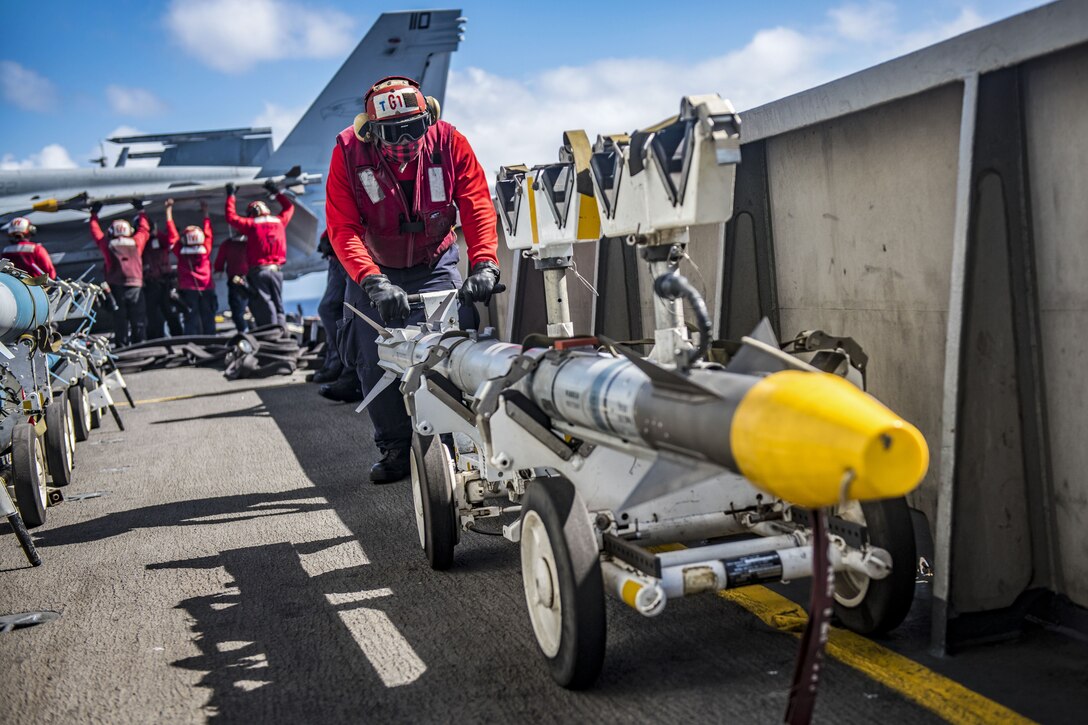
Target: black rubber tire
x=81, y=411
x=96, y=415
x=58, y=444
x=580, y=657
x=28, y=474
x=887, y=601
x=431, y=482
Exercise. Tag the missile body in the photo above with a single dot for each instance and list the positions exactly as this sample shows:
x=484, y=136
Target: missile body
x=808, y=437
x=23, y=307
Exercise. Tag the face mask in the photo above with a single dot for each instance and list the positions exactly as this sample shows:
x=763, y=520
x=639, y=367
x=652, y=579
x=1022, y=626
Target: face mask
x=401, y=153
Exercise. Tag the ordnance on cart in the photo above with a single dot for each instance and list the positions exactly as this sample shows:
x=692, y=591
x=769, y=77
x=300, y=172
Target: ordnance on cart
x=601, y=452
x=54, y=379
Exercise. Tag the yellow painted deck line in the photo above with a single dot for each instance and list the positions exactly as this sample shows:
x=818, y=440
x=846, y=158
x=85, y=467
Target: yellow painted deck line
x=190, y=396
x=938, y=694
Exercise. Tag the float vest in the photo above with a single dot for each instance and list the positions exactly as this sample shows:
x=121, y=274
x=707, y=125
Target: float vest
x=402, y=232
x=127, y=269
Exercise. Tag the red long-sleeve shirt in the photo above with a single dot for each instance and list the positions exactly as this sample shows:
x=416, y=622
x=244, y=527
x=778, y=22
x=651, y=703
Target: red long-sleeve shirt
x=473, y=199
x=194, y=261
x=231, y=257
x=124, y=265
x=266, y=235
x=30, y=257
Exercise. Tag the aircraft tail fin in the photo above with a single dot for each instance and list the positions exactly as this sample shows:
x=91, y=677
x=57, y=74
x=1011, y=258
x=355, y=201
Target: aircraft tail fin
x=415, y=44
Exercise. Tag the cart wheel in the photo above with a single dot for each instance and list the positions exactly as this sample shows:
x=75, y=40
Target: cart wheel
x=59, y=444
x=873, y=606
x=561, y=573
x=81, y=412
x=432, y=497
x=96, y=415
x=28, y=472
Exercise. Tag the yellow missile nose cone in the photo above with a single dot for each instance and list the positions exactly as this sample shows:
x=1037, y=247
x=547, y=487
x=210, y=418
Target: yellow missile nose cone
x=49, y=205
x=798, y=435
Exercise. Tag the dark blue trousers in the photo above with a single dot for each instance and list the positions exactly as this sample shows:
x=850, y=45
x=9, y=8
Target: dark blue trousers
x=331, y=311
x=238, y=300
x=358, y=347
x=200, y=319
x=266, y=295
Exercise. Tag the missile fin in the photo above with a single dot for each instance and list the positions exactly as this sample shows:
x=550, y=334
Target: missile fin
x=665, y=476
x=384, y=382
x=442, y=312
x=757, y=359
x=386, y=334
x=661, y=377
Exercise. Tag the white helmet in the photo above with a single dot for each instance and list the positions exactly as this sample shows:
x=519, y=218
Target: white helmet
x=120, y=228
x=20, y=228
x=194, y=235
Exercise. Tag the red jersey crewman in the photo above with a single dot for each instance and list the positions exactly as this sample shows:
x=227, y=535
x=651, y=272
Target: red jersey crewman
x=24, y=252
x=398, y=179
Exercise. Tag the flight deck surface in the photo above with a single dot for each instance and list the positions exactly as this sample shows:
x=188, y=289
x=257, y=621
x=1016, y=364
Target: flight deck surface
x=238, y=567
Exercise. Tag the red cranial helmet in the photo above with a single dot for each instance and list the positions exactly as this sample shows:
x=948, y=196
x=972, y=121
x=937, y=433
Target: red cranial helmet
x=393, y=99
x=397, y=111
x=120, y=228
x=194, y=235
x=20, y=228
x=258, y=208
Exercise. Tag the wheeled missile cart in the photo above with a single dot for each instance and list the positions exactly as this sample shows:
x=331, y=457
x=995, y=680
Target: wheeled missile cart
x=45, y=406
x=604, y=453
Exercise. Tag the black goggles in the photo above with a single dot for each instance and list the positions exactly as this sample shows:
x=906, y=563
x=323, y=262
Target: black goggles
x=394, y=133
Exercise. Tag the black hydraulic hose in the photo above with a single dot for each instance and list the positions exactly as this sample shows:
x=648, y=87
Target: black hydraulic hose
x=673, y=286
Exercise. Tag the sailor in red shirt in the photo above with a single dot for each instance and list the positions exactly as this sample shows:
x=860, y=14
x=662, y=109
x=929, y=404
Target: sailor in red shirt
x=160, y=281
x=231, y=259
x=123, y=249
x=398, y=179
x=193, y=250
x=266, y=252
x=26, y=254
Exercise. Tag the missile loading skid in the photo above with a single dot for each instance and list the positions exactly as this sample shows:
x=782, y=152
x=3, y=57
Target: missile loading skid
x=56, y=382
x=603, y=452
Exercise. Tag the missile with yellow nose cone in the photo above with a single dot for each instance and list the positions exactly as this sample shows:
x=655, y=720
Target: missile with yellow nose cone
x=805, y=436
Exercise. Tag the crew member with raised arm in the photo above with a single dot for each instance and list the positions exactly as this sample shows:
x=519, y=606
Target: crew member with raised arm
x=398, y=178
x=24, y=252
x=123, y=249
x=266, y=252
x=160, y=283
x=231, y=260
x=193, y=250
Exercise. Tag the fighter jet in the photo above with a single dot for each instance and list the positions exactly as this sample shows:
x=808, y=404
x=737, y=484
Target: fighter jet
x=198, y=165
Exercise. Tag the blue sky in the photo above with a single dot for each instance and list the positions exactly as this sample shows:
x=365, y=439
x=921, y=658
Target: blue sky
x=522, y=74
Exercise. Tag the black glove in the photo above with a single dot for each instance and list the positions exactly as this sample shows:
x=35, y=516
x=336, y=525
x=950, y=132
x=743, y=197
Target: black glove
x=481, y=284
x=270, y=187
x=231, y=189
x=390, y=300
x=137, y=204
x=96, y=207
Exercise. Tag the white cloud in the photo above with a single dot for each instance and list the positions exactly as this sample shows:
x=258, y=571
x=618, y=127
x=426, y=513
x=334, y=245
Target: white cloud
x=26, y=89
x=134, y=101
x=53, y=156
x=234, y=35
x=280, y=119
x=865, y=23
x=622, y=94
x=619, y=95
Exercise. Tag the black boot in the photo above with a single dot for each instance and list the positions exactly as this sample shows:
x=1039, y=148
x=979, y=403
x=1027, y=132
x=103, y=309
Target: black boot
x=392, y=467
x=345, y=390
x=324, y=375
